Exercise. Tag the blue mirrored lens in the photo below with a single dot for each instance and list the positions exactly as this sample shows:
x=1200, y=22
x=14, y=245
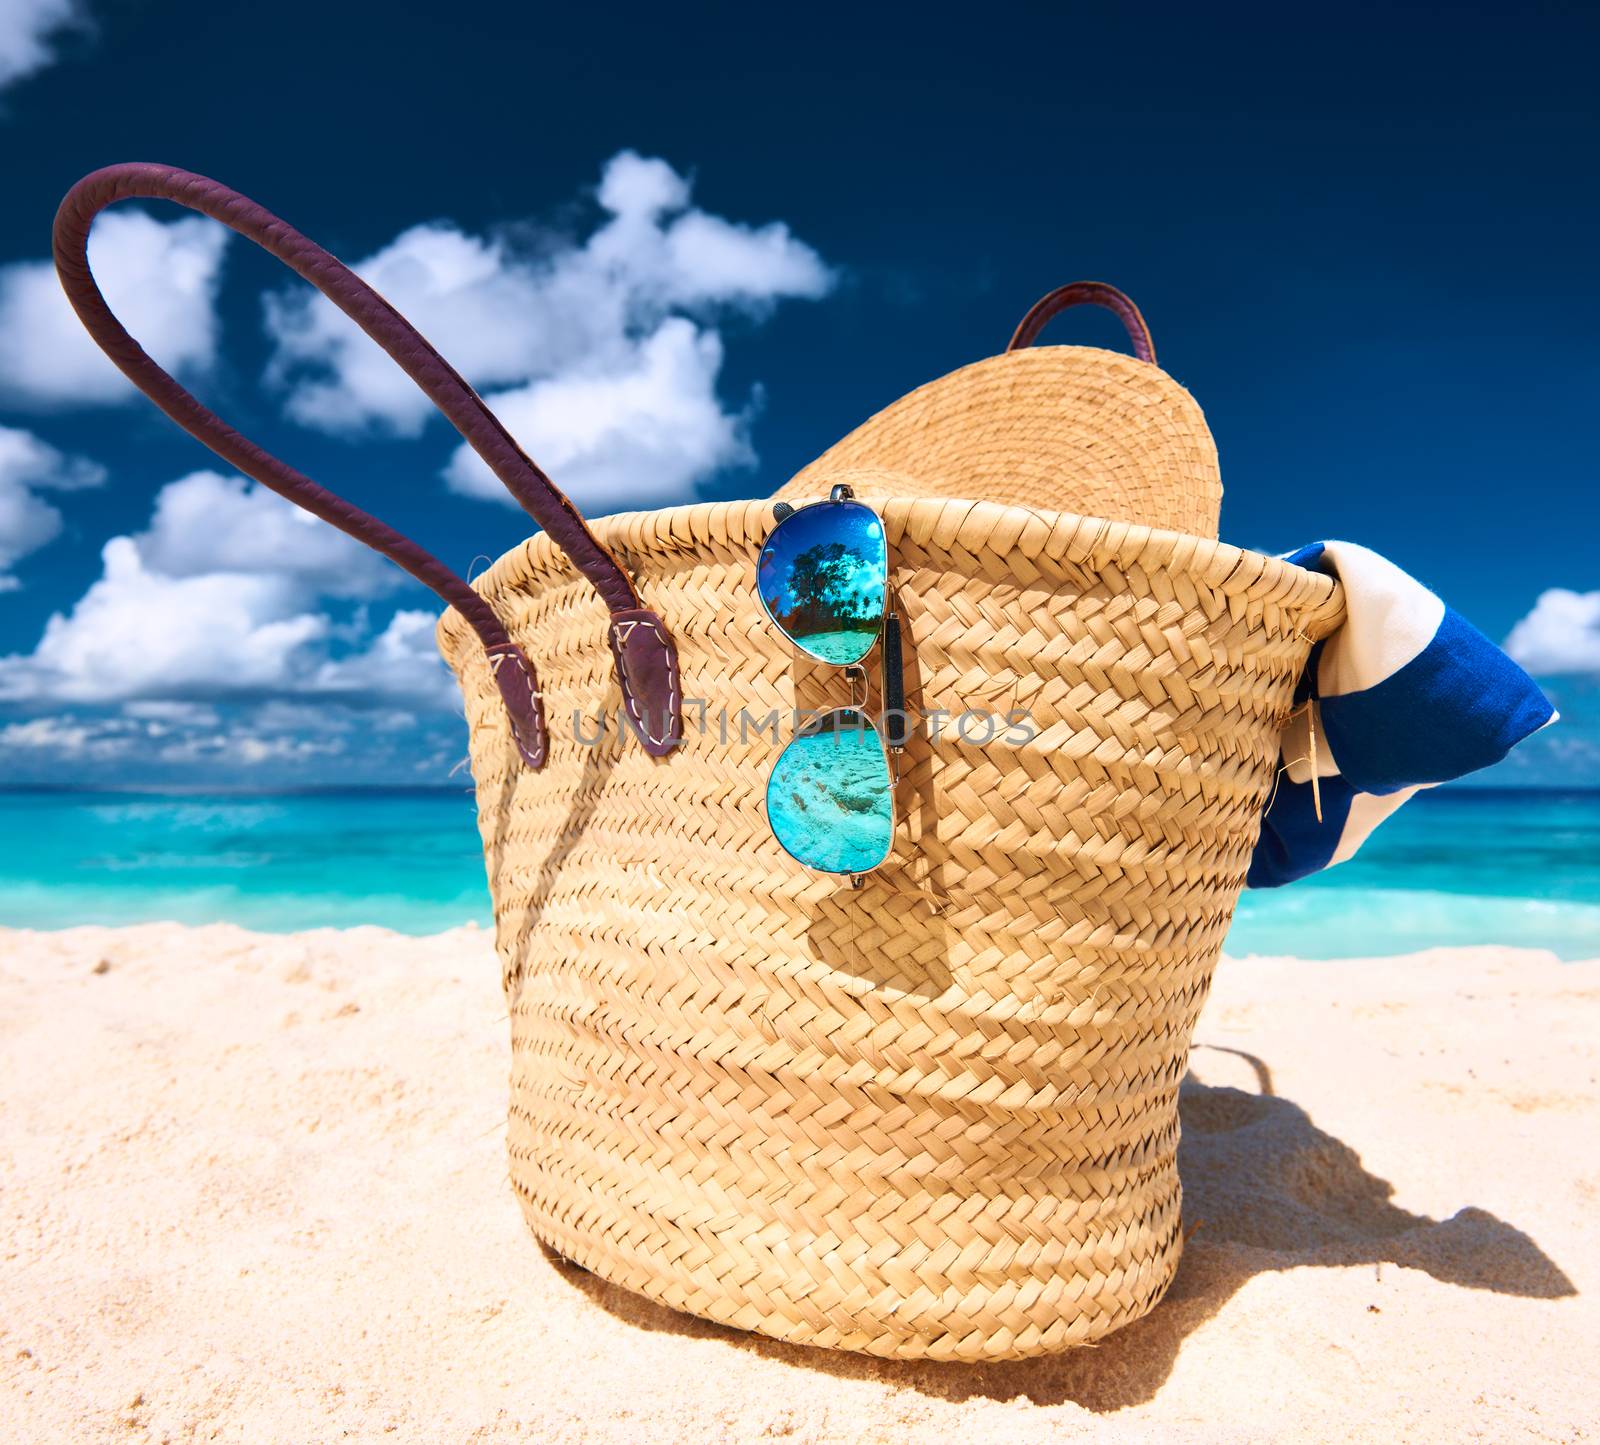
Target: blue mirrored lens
x=824, y=579
x=830, y=799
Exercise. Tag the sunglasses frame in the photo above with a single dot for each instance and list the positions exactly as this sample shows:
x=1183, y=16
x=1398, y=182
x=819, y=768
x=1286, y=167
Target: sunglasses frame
x=880, y=731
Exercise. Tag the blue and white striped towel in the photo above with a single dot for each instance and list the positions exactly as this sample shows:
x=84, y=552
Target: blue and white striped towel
x=1406, y=694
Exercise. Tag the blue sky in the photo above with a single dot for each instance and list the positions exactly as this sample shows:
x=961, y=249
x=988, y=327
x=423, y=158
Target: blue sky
x=686, y=252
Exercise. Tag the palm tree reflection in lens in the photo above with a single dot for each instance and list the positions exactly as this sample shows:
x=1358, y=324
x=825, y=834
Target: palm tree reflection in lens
x=824, y=580
x=830, y=799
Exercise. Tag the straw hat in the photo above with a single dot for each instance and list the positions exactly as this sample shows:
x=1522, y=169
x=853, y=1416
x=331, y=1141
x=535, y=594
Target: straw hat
x=1066, y=428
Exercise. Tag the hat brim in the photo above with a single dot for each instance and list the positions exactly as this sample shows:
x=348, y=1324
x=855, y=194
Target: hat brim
x=1066, y=428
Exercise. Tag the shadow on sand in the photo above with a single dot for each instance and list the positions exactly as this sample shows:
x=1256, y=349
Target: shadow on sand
x=1264, y=1189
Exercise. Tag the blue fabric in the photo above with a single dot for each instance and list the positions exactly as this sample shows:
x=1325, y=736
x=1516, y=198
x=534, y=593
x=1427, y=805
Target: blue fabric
x=1309, y=557
x=1293, y=843
x=1458, y=705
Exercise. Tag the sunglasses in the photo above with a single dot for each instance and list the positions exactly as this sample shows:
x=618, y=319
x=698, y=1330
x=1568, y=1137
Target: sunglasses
x=823, y=580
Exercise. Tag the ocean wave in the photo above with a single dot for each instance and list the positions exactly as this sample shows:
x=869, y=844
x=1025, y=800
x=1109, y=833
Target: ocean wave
x=1331, y=923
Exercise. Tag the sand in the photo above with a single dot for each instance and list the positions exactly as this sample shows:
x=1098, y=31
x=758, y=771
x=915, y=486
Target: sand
x=253, y=1190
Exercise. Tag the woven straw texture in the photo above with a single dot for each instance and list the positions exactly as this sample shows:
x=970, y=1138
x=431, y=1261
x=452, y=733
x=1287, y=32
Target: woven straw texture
x=935, y=1116
x=1064, y=427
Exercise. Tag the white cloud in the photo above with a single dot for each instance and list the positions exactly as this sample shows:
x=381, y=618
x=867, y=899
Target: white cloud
x=172, y=714
x=27, y=28
x=616, y=434
x=198, y=735
x=71, y=737
x=641, y=187
x=1560, y=635
x=242, y=744
x=401, y=663
x=291, y=715
x=139, y=633
x=207, y=522
x=461, y=292
x=220, y=598
x=567, y=330
x=657, y=253
x=159, y=278
x=29, y=466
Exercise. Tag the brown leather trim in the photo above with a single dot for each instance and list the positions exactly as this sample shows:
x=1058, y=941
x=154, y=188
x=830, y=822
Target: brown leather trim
x=1085, y=293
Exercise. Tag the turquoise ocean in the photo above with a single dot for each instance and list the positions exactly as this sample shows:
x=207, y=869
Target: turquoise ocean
x=1455, y=866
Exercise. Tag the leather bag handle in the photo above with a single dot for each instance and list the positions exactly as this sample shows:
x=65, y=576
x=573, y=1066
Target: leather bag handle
x=1086, y=293
x=642, y=649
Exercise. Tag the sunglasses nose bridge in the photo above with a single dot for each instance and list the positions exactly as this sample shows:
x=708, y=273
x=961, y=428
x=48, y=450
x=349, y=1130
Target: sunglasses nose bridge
x=857, y=676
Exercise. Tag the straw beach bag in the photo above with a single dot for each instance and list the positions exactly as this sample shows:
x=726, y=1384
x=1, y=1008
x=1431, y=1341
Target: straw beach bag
x=934, y=1115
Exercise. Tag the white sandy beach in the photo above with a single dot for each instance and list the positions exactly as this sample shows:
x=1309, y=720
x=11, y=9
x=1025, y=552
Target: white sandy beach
x=254, y=1190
